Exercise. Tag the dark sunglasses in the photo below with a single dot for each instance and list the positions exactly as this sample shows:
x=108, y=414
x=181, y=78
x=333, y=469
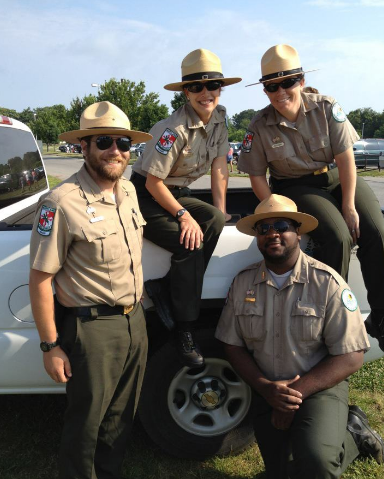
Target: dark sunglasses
x=288, y=83
x=279, y=226
x=105, y=142
x=198, y=87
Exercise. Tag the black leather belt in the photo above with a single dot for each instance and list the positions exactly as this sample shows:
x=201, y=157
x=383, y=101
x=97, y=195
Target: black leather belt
x=101, y=310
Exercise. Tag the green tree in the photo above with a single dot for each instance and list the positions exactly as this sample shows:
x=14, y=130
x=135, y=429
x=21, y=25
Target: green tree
x=46, y=127
x=10, y=113
x=367, y=116
x=179, y=99
x=76, y=109
x=143, y=110
x=241, y=120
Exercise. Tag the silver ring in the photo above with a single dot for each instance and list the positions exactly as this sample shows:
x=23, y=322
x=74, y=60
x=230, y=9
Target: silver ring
x=352, y=231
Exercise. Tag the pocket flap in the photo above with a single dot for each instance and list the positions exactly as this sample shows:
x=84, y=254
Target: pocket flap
x=308, y=309
x=318, y=142
x=252, y=309
x=99, y=230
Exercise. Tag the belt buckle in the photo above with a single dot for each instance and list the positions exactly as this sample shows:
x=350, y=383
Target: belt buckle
x=324, y=169
x=128, y=309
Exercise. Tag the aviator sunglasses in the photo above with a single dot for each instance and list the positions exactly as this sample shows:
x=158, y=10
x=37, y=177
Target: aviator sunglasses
x=198, y=87
x=279, y=226
x=105, y=142
x=285, y=84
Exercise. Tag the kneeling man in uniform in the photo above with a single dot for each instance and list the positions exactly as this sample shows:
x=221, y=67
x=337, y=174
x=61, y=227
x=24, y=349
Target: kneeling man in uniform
x=293, y=331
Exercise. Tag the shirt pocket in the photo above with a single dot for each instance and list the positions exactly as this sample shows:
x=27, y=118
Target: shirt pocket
x=251, y=321
x=104, y=241
x=307, y=321
x=318, y=146
x=278, y=158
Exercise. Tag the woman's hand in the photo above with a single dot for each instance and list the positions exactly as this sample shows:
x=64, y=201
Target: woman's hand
x=351, y=218
x=191, y=234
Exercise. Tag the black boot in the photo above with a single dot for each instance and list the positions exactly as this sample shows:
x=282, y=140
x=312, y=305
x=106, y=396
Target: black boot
x=368, y=441
x=189, y=350
x=159, y=291
x=374, y=325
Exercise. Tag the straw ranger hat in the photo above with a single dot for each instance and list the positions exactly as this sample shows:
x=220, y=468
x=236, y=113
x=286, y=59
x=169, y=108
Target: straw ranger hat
x=280, y=61
x=277, y=206
x=104, y=118
x=200, y=66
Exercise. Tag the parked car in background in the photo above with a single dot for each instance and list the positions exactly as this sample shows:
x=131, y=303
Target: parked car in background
x=139, y=149
x=9, y=182
x=368, y=152
x=64, y=148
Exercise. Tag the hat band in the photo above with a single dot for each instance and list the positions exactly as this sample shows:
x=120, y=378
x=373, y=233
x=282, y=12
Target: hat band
x=281, y=74
x=202, y=76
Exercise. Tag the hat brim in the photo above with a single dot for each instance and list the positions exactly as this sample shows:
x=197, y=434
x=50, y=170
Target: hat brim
x=179, y=85
x=308, y=222
x=280, y=77
x=75, y=136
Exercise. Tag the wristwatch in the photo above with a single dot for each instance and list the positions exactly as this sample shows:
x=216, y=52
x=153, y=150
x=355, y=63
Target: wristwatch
x=180, y=213
x=46, y=347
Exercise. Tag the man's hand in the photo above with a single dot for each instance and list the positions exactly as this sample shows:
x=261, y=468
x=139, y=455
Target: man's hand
x=191, y=234
x=282, y=420
x=280, y=396
x=57, y=365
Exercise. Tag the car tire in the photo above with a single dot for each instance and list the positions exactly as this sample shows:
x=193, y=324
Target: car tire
x=173, y=399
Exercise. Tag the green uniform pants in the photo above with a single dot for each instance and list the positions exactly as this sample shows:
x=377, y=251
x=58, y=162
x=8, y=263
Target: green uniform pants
x=187, y=267
x=108, y=356
x=321, y=196
x=316, y=446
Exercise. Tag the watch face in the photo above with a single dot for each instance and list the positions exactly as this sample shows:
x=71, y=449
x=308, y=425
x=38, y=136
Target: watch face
x=180, y=213
x=44, y=346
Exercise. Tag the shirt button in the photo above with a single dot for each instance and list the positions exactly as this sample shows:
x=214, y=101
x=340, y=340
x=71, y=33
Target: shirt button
x=278, y=294
x=277, y=335
x=278, y=356
x=277, y=314
x=104, y=232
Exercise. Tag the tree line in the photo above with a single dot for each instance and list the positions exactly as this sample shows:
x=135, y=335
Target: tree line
x=144, y=110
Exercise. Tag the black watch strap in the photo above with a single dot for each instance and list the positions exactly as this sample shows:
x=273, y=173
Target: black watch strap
x=46, y=347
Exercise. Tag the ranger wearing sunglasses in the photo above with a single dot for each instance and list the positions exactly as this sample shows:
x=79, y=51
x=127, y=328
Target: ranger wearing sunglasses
x=300, y=137
x=184, y=147
x=87, y=241
x=293, y=331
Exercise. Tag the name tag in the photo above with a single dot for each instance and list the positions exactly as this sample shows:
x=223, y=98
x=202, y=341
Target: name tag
x=277, y=145
x=96, y=219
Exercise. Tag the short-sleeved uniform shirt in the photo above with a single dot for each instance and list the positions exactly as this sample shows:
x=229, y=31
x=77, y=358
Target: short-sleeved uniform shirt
x=91, y=243
x=183, y=148
x=292, y=150
x=289, y=330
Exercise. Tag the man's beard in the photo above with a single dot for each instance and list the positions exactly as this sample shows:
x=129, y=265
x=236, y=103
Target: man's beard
x=103, y=172
x=281, y=259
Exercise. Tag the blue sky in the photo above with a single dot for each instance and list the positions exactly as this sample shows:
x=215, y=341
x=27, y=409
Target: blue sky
x=51, y=51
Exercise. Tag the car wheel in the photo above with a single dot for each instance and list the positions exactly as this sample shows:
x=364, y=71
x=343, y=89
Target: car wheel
x=196, y=413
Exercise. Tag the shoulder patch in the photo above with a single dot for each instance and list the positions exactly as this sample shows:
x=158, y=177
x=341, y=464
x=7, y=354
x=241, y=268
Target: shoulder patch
x=349, y=300
x=338, y=113
x=247, y=142
x=47, y=215
x=166, y=141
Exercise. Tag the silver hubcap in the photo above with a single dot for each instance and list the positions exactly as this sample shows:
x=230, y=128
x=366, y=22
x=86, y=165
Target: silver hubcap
x=208, y=401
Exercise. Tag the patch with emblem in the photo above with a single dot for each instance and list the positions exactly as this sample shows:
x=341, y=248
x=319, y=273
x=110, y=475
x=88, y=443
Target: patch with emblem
x=247, y=142
x=166, y=141
x=337, y=113
x=349, y=300
x=47, y=215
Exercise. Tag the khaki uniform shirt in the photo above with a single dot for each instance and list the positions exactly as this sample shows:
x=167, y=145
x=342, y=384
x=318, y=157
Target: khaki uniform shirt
x=289, y=330
x=91, y=244
x=289, y=150
x=182, y=149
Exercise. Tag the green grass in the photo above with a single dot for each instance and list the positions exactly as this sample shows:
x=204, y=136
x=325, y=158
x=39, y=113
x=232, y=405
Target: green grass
x=53, y=181
x=371, y=172
x=30, y=427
